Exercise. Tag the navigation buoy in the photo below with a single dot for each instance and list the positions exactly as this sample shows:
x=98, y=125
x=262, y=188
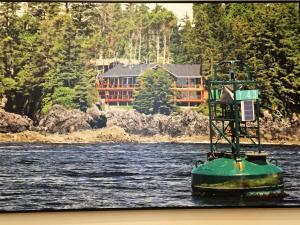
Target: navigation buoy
x=234, y=118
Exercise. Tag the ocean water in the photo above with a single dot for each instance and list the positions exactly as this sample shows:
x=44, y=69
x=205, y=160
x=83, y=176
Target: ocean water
x=107, y=176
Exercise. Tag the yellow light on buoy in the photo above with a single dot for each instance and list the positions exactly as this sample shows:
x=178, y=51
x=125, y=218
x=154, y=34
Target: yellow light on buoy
x=239, y=164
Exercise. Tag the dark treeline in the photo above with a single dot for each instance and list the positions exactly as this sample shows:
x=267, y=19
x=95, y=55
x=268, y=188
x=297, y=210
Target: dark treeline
x=46, y=48
x=267, y=36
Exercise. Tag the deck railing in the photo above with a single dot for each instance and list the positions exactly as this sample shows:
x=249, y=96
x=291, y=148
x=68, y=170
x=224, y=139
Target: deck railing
x=114, y=86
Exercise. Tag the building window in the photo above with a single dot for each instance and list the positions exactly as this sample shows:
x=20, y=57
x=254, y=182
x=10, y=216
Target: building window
x=113, y=82
x=182, y=82
x=192, y=82
x=130, y=81
x=124, y=81
x=193, y=94
x=182, y=95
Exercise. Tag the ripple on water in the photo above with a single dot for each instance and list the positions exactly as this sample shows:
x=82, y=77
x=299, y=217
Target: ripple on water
x=41, y=177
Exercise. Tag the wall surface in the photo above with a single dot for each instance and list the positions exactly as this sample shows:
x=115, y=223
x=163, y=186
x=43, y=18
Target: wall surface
x=164, y=217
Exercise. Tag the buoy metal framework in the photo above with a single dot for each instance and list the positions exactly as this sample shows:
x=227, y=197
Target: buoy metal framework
x=233, y=105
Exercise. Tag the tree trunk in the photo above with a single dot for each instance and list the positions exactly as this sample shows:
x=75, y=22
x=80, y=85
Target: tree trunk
x=67, y=7
x=140, y=45
x=157, y=46
x=165, y=47
x=148, y=51
x=130, y=50
x=169, y=44
x=135, y=50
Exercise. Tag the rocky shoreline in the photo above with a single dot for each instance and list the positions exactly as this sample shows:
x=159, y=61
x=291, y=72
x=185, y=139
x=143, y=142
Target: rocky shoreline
x=62, y=125
x=108, y=135
x=105, y=135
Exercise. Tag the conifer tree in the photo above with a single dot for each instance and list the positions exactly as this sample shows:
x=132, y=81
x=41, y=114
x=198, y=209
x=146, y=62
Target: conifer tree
x=154, y=94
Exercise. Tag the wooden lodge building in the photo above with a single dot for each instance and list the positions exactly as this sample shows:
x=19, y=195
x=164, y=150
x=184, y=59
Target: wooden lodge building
x=116, y=85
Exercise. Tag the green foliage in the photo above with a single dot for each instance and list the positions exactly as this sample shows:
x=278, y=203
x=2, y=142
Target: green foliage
x=203, y=109
x=154, y=94
x=50, y=46
x=264, y=35
x=65, y=96
x=271, y=42
x=81, y=96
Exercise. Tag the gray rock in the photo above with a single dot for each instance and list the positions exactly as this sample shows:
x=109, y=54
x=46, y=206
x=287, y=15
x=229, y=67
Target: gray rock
x=12, y=123
x=133, y=122
x=62, y=120
x=188, y=123
x=280, y=128
x=96, y=118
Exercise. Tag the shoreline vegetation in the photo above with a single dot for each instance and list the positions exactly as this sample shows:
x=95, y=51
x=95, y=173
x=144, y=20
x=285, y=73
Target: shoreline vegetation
x=111, y=135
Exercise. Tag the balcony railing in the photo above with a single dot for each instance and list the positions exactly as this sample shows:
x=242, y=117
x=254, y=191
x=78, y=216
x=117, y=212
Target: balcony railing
x=190, y=100
x=196, y=86
x=113, y=86
x=117, y=98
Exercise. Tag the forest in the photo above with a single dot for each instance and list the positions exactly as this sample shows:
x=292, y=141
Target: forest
x=47, y=48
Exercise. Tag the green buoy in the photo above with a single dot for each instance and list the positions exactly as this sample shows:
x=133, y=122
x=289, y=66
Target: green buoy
x=234, y=117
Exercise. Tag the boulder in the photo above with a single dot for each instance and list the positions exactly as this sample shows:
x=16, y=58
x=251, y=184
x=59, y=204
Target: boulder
x=134, y=122
x=62, y=120
x=280, y=129
x=96, y=118
x=12, y=123
x=186, y=123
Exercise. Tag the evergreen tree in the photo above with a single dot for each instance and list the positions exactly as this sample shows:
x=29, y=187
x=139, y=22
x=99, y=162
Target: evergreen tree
x=153, y=93
x=183, y=43
x=48, y=46
x=270, y=40
x=264, y=35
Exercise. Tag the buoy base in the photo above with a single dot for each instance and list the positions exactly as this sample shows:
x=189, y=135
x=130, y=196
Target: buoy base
x=260, y=192
x=248, y=176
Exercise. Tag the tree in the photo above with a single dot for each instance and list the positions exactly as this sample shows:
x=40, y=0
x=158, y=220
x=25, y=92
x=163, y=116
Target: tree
x=270, y=43
x=45, y=46
x=65, y=96
x=153, y=93
x=162, y=23
x=183, y=43
x=266, y=36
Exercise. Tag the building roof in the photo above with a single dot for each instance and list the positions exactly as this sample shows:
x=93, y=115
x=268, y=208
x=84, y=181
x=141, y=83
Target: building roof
x=127, y=70
x=177, y=70
x=183, y=70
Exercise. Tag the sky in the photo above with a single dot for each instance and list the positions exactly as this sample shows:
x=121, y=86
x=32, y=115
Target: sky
x=179, y=9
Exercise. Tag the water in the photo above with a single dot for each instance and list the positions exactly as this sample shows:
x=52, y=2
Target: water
x=97, y=176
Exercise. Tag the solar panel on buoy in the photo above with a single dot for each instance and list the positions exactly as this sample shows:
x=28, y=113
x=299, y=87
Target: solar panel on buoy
x=247, y=108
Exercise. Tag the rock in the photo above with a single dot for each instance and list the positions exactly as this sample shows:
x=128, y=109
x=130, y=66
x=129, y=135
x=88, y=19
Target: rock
x=280, y=129
x=266, y=115
x=11, y=122
x=295, y=120
x=97, y=119
x=62, y=120
x=3, y=101
x=188, y=123
x=133, y=122
x=173, y=127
